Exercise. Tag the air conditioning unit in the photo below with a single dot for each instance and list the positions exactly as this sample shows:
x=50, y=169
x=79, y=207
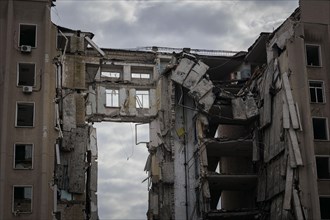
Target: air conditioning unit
x=27, y=89
x=26, y=49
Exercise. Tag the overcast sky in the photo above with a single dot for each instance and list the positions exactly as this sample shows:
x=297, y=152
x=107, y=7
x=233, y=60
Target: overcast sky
x=217, y=24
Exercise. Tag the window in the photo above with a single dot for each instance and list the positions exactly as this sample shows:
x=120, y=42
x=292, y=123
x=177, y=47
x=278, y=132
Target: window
x=140, y=76
x=22, y=199
x=316, y=91
x=112, y=71
x=110, y=74
x=320, y=128
x=142, y=99
x=23, y=156
x=28, y=35
x=25, y=115
x=323, y=167
x=324, y=207
x=112, y=98
x=26, y=74
x=313, y=55
x=141, y=72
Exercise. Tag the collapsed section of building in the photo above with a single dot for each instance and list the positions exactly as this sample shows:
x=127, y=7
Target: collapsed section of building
x=233, y=135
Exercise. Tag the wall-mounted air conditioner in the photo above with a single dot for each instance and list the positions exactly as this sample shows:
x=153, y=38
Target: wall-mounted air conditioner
x=26, y=49
x=27, y=89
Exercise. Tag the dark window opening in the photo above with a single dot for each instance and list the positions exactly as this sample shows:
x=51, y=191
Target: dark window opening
x=26, y=74
x=323, y=167
x=324, y=207
x=61, y=40
x=316, y=92
x=25, y=115
x=27, y=35
x=313, y=55
x=23, y=156
x=320, y=129
x=22, y=199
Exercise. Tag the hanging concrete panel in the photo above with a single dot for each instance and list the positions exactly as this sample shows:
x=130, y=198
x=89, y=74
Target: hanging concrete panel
x=69, y=111
x=80, y=109
x=195, y=75
x=203, y=87
x=182, y=70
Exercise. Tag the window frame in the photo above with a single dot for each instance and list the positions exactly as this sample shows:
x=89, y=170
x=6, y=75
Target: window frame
x=140, y=75
x=319, y=54
x=326, y=126
x=13, y=198
x=112, y=68
x=138, y=71
x=111, y=72
x=137, y=98
x=16, y=114
x=36, y=34
x=322, y=88
x=35, y=71
x=106, y=98
x=32, y=157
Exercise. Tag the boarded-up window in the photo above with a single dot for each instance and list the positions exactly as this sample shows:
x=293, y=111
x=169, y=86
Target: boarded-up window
x=313, y=55
x=28, y=35
x=22, y=199
x=26, y=74
x=142, y=99
x=316, y=91
x=23, y=156
x=320, y=128
x=112, y=98
x=323, y=167
x=25, y=114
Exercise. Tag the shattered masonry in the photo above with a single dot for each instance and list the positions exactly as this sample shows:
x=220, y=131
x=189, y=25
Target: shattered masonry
x=233, y=135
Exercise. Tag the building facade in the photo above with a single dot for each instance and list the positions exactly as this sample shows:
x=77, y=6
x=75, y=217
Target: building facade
x=233, y=135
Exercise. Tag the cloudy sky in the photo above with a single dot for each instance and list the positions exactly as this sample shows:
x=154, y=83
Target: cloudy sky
x=217, y=24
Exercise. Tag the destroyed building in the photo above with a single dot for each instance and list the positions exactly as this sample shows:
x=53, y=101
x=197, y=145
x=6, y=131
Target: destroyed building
x=233, y=135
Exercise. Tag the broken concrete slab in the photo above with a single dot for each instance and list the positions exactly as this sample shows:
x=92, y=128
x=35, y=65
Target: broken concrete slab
x=182, y=70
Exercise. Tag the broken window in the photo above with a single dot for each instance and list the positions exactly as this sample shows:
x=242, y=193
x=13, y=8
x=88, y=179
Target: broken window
x=112, y=71
x=26, y=74
x=112, y=98
x=324, y=207
x=28, y=35
x=141, y=72
x=110, y=74
x=140, y=76
x=320, y=128
x=23, y=156
x=323, y=167
x=62, y=40
x=22, y=199
x=142, y=99
x=25, y=114
x=316, y=91
x=313, y=55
